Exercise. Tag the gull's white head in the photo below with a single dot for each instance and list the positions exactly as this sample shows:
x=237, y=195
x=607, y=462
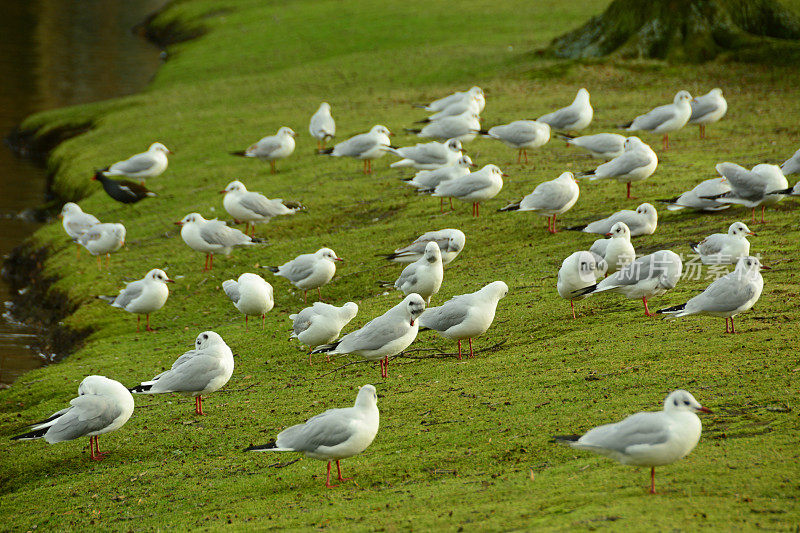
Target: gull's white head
x=159, y=276
x=476, y=91
x=432, y=252
x=682, y=96
x=70, y=208
x=589, y=265
x=680, y=400
x=716, y=91
x=325, y=106
x=234, y=186
x=191, y=218
x=98, y=385
x=646, y=210
x=382, y=130
x=456, y=242
x=739, y=229
x=620, y=230
x=414, y=305
x=749, y=266
x=582, y=96
x=286, y=131
x=493, y=169
x=119, y=232
x=158, y=147
x=498, y=288
x=454, y=145
x=350, y=309
x=465, y=161
x=567, y=177
x=632, y=143
x=327, y=253
x=367, y=396
x=207, y=339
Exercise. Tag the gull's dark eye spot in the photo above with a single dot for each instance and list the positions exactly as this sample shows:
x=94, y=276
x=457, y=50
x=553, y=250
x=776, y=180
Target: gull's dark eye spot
x=205, y=336
x=675, y=402
x=686, y=402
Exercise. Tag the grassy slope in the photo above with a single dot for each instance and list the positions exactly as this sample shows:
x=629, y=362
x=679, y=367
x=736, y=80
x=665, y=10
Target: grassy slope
x=460, y=444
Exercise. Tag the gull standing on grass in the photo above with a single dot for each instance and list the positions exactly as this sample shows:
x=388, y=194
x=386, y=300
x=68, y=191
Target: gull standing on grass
x=253, y=207
x=149, y=164
x=465, y=316
x=427, y=156
x=365, y=146
x=103, y=239
x=751, y=188
x=521, y=135
x=601, y=145
x=321, y=323
x=143, y=296
x=617, y=251
x=322, y=127
x=309, y=271
x=463, y=127
x=251, y=295
x=791, y=165
x=210, y=237
x=578, y=271
x=450, y=241
x=333, y=435
x=75, y=222
x=722, y=249
x=103, y=405
x=707, y=109
x=456, y=98
x=574, y=117
x=271, y=148
x=643, y=221
x=647, y=438
x=424, y=276
x=648, y=276
x=666, y=118
x=202, y=370
x=697, y=198
x=475, y=187
x=472, y=105
x=550, y=199
x=733, y=293
x=637, y=162
x=382, y=337
x=426, y=181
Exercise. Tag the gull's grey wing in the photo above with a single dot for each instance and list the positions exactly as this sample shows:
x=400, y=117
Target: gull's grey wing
x=190, y=372
x=265, y=146
x=408, y=275
x=463, y=186
x=355, y=146
x=547, y=195
x=375, y=334
x=137, y=163
x=231, y=289
x=260, y=204
x=745, y=183
x=88, y=413
x=641, y=269
x=516, y=133
x=653, y=119
x=702, y=106
x=299, y=268
x=561, y=118
x=445, y=316
x=624, y=164
x=712, y=244
x=725, y=294
x=131, y=291
x=329, y=428
x=640, y=429
x=791, y=165
x=600, y=143
x=216, y=232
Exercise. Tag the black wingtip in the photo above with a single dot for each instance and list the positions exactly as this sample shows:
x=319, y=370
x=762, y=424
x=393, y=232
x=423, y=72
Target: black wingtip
x=240, y=153
x=140, y=388
x=565, y=439
x=35, y=434
x=782, y=191
x=326, y=347
x=423, y=121
x=584, y=173
x=510, y=207
x=388, y=257
x=626, y=125
x=325, y=151
x=272, y=269
x=577, y=228
x=715, y=196
x=671, y=309
x=271, y=445
x=669, y=200
x=585, y=290
x=563, y=135
x=413, y=130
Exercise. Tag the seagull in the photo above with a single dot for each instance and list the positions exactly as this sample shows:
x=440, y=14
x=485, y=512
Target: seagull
x=427, y=156
x=366, y=146
x=75, y=222
x=426, y=181
x=103, y=239
x=103, y=405
x=123, y=191
x=253, y=207
x=382, y=337
x=648, y=276
x=733, y=293
x=751, y=188
x=149, y=164
x=637, y=162
x=333, y=435
x=617, y=251
x=643, y=221
x=791, y=165
x=143, y=296
x=424, y=276
x=550, y=199
x=457, y=97
x=475, y=187
x=473, y=104
x=574, y=117
x=465, y=316
x=321, y=323
x=451, y=243
x=210, y=237
x=463, y=127
x=721, y=249
x=521, y=135
x=322, y=127
x=251, y=295
x=647, y=438
x=601, y=145
x=309, y=271
x=578, y=271
x=697, y=198
x=272, y=148
x=202, y=370
x=665, y=118
x=708, y=109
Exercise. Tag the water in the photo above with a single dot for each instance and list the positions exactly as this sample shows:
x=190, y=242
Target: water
x=56, y=53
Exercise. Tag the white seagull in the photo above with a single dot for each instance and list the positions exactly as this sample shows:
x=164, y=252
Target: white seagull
x=202, y=370
x=617, y=251
x=601, y=145
x=148, y=164
x=253, y=207
x=472, y=105
x=475, y=187
x=578, y=271
x=271, y=148
x=643, y=221
x=722, y=249
x=210, y=237
x=451, y=242
x=103, y=239
x=427, y=156
x=665, y=118
x=322, y=127
x=697, y=198
x=637, y=162
x=521, y=135
x=365, y=146
x=144, y=296
x=321, y=323
x=574, y=117
x=455, y=98
x=550, y=199
x=424, y=276
x=103, y=405
x=708, y=109
x=75, y=222
x=465, y=316
x=791, y=165
x=751, y=188
x=647, y=438
x=463, y=127
x=251, y=295
x=333, y=435
x=309, y=271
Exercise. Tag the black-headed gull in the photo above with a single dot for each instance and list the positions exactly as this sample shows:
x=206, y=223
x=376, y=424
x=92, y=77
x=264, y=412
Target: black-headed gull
x=601, y=145
x=123, y=191
x=427, y=156
x=665, y=118
x=455, y=98
x=253, y=207
x=707, y=109
x=382, y=337
x=697, y=198
x=426, y=181
x=472, y=105
x=521, y=135
x=550, y=199
x=309, y=271
x=321, y=126
x=144, y=296
x=210, y=237
x=617, y=251
x=579, y=270
x=424, y=276
x=202, y=370
x=271, y=148
x=148, y=164
x=733, y=293
x=321, y=323
x=475, y=187
x=103, y=239
x=574, y=117
x=643, y=221
x=75, y=222
x=791, y=165
x=637, y=162
x=648, y=276
x=463, y=127
x=724, y=249
x=365, y=146
x=465, y=316
x=647, y=438
x=751, y=188
x=333, y=435
x=451, y=242
x=251, y=295
x=103, y=405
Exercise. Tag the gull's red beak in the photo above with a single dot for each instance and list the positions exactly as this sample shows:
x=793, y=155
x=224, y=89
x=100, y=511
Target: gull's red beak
x=763, y=267
x=412, y=321
x=222, y=192
x=170, y=280
x=608, y=234
x=178, y=223
x=504, y=175
x=705, y=410
x=338, y=259
x=752, y=233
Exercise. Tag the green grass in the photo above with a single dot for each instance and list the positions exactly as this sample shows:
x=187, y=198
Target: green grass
x=461, y=445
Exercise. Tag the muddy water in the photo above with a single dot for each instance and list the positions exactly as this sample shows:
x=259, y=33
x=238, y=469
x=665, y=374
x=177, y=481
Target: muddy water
x=56, y=53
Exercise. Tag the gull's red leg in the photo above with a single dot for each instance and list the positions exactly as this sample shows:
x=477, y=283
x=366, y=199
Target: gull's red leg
x=470, y=348
x=245, y=322
x=646, y=309
x=733, y=329
x=339, y=470
x=328, y=477
x=138, y=322
x=147, y=327
x=459, y=350
x=652, y=480
x=572, y=305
